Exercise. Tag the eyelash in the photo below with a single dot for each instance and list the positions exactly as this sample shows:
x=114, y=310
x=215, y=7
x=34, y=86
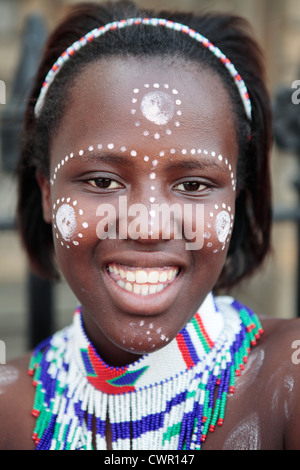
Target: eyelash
x=105, y=180
x=200, y=186
x=105, y=183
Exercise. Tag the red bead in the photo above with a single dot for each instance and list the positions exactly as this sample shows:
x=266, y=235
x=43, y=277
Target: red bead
x=35, y=413
x=204, y=419
x=212, y=428
x=231, y=389
x=203, y=438
x=253, y=343
x=237, y=373
x=220, y=422
x=30, y=372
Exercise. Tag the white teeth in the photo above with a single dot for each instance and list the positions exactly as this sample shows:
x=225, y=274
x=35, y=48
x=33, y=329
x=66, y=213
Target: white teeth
x=145, y=290
x=141, y=277
x=163, y=277
x=128, y=286
x=137, y=288
x=152, y=289
x=130, y=276
x=116, y=271
x=153, y=277
x=122, y=274
x=143, y=281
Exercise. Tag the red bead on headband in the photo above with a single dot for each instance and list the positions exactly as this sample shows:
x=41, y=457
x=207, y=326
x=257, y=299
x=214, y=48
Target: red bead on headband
x=97, y=32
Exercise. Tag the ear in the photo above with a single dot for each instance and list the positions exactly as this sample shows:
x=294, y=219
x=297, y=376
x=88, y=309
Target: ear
x=44, y=185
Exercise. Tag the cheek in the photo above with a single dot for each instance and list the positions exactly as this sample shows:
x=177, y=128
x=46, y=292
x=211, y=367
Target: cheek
x=210, y=229
x=71, y=223
x=219, y=224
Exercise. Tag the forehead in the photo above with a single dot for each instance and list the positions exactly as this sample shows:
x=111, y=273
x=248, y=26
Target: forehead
x=154, y=100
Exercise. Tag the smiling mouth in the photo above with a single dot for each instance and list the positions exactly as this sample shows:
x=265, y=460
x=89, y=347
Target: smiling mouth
x=142, y=281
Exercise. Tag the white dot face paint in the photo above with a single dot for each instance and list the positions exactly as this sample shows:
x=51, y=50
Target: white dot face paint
x=66, y=221
x=66, y=216
x=158, y=107
x=222, y=226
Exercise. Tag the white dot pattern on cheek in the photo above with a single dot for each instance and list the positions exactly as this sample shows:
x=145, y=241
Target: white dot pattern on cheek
x=65, y=222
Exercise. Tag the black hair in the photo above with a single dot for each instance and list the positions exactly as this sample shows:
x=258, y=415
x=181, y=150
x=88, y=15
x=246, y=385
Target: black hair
x=250, y=242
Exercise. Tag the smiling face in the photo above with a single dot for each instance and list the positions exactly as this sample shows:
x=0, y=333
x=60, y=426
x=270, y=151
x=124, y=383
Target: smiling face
x=141, y=198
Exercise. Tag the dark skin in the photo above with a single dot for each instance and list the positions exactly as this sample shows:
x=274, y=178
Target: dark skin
x=264, y=411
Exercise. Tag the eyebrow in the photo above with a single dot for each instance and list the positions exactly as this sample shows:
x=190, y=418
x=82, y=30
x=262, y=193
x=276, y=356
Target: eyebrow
x=104, y=157
x=198, y=165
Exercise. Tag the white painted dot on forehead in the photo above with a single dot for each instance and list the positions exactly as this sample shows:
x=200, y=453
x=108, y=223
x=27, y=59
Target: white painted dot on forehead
x=158, y=106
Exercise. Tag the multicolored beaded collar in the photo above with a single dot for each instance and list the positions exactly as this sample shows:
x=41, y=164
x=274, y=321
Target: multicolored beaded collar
x=169, y=399
x=97, y=32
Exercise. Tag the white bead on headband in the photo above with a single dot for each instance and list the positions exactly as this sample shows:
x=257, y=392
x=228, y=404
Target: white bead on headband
x=97, y=32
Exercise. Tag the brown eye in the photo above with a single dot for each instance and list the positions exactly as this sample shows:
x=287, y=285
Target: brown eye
x=104, y=183
x=191, y=186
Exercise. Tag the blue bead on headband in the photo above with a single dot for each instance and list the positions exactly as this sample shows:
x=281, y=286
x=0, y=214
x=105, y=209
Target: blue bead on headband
x=97, y=32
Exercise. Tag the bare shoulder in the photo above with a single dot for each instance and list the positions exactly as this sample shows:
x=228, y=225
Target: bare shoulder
x=16, y=399
x=281, y=345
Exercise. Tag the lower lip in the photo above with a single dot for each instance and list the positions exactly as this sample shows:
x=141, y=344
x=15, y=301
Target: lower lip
x=150, y=304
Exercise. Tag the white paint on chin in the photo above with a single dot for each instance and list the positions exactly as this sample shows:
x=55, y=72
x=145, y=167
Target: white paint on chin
x=66, y=221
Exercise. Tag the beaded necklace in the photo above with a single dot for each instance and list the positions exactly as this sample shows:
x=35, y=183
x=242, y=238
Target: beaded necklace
x=169, y=399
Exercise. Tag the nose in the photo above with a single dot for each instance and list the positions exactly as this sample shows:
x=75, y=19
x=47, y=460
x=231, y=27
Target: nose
x=150, y=221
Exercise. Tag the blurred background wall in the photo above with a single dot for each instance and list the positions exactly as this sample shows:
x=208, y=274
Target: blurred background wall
x=274, y=290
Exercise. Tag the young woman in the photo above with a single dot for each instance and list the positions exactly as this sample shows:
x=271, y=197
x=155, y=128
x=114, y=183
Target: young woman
x=144, y=180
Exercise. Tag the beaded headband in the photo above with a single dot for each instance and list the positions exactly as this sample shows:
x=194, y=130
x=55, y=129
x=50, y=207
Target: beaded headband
x=97, y=32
